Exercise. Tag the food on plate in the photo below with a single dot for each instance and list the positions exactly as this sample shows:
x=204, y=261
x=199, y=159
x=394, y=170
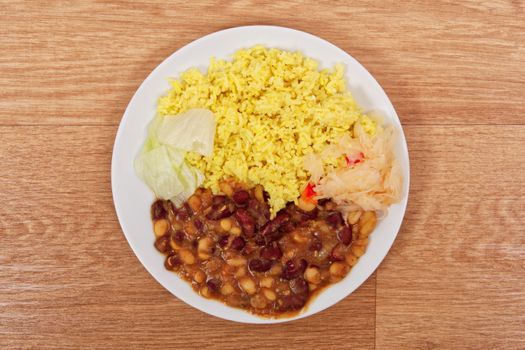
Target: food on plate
x=272, y=108
x=269, y=179
x=229, y=249
x=366, y=175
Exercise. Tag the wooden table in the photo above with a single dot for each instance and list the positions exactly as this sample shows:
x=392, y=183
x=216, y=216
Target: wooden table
x=455, y=277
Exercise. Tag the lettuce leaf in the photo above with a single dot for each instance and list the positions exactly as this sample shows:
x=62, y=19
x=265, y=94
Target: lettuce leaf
x=161, y=164
x=159, y=169
x=193, y=130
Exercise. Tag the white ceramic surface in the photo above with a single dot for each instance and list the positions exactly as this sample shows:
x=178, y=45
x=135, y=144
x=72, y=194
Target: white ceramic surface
x=133, y=199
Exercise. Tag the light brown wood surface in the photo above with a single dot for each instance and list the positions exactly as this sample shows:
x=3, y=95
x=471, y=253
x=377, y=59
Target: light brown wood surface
x=455, y=277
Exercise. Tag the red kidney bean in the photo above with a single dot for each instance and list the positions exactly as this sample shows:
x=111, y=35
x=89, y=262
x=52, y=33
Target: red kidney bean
x=334, y=219
x=253, y=207
x=178, y=236
x=223, y=241
x=253, y=204
x=271, y=226
x=220, y=211
x=308, y=215
x=293, y=269
x=260, y=265
x=259, y=211
x=316, y=244
x=271, y=251
x=265, y=209
x=288, y=227
x=259, y=239
x=172, y=261
x=219, y=199
x=163, y=244
x=187, y=208
x=241, y=197
x=291, y=209
x=246, y=221
x=238, y=243
x=345, y=235
x=338, y=252
x=213, y=284
x=292, y=302
x=273, y=236
x=182, y=214
x=261, y=220
x=198, y=224
x=299, y=286
x=157, y=210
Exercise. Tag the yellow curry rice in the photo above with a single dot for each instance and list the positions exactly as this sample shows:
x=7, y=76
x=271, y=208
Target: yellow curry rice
x=272, y=107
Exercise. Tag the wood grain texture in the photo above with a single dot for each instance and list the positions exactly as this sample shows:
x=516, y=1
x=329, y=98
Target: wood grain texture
x=440, y=62
x=455, y=277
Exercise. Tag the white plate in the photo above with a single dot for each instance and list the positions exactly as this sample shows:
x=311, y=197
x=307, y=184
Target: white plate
x=133, y=199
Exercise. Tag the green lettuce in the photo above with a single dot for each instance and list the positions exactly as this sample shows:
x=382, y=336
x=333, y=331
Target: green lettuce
x=161, y=164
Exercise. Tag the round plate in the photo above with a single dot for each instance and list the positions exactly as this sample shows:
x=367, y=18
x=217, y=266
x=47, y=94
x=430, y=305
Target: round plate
x=133, y=199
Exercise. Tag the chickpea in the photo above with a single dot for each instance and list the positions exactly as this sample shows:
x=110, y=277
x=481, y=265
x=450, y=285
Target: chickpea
x=195, y=203
x=299, y=238
x=226, y=224
x=258, y=301
x=312, y=287
x=187, y=257
x=227, y=289
x=237, y=261
x=276, y=270
x=203, y=255
x=338, y=270
x=258, y=192
x=227, y=270
x=236, y=230
x=290, y=254
x=306, y=205
x=269, y=294
x=205, y=292
x=199, y=276
x=312, y=275
x=161, y=227
x=367, y=223
x=176, y=225
x=174, y=244
x=241, y=272
x=205, y=245
x=267, y=282
x=357, y=250
x=353, y=217
x=206, y=198
x=214, y=265
x=248, y=285
x=351, y=259
x=190, y=228
x=226, y=188
x=204, y=248
x=362, y=242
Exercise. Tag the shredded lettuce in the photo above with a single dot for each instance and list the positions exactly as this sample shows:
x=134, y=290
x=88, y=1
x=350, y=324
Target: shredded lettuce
x=161, y=164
